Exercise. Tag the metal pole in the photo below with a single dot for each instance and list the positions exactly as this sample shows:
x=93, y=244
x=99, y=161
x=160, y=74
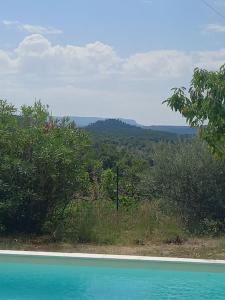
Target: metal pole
x=117, y=188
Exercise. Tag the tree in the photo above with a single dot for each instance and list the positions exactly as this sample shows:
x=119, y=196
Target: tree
x=108, y=184
x=204, y=107
x=42, y=166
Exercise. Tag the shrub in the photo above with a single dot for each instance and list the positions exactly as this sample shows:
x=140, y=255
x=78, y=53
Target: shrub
x=190, y=182
x=43, y=164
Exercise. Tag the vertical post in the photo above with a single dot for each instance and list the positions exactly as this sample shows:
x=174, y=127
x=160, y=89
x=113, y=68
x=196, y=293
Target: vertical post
x=117, y=188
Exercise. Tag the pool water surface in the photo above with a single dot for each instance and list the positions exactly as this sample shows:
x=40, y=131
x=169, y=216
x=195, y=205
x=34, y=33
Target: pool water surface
x=23, y=279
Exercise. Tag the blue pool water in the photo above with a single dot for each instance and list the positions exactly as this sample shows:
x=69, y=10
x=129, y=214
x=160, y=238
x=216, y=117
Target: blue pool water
x=47, y=280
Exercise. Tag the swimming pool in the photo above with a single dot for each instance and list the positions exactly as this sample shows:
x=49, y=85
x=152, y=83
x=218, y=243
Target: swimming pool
x=29, y=275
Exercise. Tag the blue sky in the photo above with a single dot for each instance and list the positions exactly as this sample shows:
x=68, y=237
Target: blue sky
x=106, y=58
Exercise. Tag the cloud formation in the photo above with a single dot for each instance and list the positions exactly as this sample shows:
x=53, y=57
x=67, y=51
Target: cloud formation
x=36, y=55
x=31, y=29
x=95, y=80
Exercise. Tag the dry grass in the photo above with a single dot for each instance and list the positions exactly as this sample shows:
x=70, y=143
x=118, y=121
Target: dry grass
x=192, y=248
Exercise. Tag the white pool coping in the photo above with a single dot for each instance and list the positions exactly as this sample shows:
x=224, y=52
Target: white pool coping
x=114, y=257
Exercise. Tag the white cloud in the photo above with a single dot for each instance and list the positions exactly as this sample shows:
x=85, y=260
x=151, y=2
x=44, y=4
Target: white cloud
x=155, y=64
x=210, y=59
x=34, y=44
x=215, y=28
x=94, y=78
x=36, y=55
x=31, y=29
x=6, y=63
x=39, y=29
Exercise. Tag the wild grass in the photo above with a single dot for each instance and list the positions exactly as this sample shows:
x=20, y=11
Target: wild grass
x=98, y=222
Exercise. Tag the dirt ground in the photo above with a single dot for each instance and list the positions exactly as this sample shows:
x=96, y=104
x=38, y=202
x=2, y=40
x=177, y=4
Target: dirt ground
x=192, y=248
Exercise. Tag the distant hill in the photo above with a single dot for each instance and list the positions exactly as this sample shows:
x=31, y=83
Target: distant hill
x=173, y=129
x=85, y=121
x=112, y=128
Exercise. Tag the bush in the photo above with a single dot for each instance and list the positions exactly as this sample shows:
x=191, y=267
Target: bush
x=191, y=183
x=42, y=166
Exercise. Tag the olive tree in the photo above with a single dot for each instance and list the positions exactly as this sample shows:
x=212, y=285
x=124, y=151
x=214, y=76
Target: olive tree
x=190, y=181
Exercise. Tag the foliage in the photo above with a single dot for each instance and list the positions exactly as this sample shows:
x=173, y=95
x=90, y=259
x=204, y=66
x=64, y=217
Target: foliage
x=205, y=106
x=191, y=182
x=99, y=222
x=108, y=184
x=116, y=130
x=53, y=180
x=42, y=166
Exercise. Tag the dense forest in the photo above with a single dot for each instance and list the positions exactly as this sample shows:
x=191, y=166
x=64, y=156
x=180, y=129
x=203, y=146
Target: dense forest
x=61, y=181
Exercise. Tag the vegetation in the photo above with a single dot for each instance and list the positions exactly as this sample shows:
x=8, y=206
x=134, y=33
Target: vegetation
x=60, y=181
x=42, y=166
x=116, y=130
x=205, y=106
x=192, y=181
x=99, y=222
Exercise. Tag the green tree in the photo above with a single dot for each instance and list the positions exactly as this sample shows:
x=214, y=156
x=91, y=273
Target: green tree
x=108, y=184
x=131, y=170
x=42, y=166
x=204, y=107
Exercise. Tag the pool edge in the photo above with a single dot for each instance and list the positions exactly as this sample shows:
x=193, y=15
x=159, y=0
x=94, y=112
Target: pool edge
x=114, y=257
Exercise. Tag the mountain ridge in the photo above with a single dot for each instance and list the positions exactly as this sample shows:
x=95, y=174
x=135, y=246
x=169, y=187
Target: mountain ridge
x=86, y=121
x=117, y=129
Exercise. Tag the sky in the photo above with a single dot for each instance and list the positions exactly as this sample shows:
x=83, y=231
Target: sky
x=107, y=58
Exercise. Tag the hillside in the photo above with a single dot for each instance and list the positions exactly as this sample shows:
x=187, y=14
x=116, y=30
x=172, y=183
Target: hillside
x=112, y=128
x=173, y=129
x=85, y=121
